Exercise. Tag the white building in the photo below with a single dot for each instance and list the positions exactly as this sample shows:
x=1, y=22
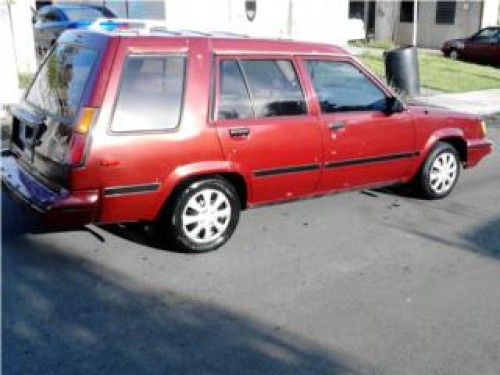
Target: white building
x=17, y=46
x=437, y=20
x=311, y=20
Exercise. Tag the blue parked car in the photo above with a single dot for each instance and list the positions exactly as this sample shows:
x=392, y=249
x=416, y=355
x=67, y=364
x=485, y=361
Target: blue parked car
x=51, y=20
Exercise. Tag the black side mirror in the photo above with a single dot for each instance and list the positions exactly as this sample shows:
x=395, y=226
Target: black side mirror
x=392, y=105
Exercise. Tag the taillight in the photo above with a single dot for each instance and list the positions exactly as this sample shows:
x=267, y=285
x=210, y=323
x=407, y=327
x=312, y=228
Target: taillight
x=483, y=128
x=78, y=143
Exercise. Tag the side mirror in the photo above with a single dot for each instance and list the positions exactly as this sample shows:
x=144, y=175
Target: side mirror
x=393, y=105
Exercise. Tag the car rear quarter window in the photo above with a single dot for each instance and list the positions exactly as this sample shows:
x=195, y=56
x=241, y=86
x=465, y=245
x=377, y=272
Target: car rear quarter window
x=259, y=88
x=341, y=86
x=150, y=94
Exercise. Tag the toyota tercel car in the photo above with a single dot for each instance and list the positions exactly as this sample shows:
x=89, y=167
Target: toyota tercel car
x=182, y=131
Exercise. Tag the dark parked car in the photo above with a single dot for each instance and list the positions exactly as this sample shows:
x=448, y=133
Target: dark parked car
x=182, y=131
x=51, y=20
x=483, y=47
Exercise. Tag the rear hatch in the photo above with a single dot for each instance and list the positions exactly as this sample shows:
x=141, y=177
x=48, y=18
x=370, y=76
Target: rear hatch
x=44, y=121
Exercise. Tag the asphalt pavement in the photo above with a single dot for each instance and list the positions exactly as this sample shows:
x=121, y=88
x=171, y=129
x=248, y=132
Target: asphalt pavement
x=366, y=282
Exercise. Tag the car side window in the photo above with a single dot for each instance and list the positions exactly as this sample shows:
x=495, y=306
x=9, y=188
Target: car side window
x=150, y=95
x=274, y=88
x=342, y=87
x=259, y=88
x=486, y=36
x=51, y=16
x=234, y=97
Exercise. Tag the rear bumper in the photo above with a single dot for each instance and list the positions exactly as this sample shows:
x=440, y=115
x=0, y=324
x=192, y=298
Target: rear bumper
x=476, y=150
x=62, y=208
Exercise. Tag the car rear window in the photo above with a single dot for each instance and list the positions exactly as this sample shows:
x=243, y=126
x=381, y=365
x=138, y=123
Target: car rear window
x=150, y=95
x=59, y=84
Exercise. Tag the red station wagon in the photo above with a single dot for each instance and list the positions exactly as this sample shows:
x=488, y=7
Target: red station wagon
x=184, y=130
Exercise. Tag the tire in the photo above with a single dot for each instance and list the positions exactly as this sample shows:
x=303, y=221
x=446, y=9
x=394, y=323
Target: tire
x=439, y=173
x=192, y=226
x=454, y=54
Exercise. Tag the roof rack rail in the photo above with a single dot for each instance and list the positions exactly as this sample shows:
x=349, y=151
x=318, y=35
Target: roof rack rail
x=125, y=24
x=147, y=26
x=229, y=34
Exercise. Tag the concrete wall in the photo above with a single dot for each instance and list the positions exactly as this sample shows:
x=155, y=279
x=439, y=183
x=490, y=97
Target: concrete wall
x=386, y=17
x=491, y=13
x=23, y=35
x=320, y=21
x=467, y=21
x=311, y=20
x=8, y=73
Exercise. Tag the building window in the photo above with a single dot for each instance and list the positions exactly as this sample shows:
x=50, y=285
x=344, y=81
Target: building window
x=445, y=12
x=357, y=9
x=251, y=9
x=406, y=13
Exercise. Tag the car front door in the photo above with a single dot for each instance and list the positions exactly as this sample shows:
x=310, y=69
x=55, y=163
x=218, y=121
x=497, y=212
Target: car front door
x=480, y=47
x=363, y=144
x=265, y=128
x=495, y=50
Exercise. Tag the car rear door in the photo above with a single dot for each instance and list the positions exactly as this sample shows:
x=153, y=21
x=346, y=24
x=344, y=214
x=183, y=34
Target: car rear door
x=138, y=140
x=362, y=145
x=265, y=127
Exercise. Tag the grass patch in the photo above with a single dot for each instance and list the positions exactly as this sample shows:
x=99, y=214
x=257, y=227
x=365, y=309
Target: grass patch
x=25, y=80
x=377, y=44
x=442, y=74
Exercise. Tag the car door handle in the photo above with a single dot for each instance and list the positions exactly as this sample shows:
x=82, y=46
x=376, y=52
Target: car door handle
x=337, y=125
x=239, y=132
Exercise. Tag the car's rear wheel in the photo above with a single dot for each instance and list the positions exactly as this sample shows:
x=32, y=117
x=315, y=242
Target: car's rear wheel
x=439, y=173
x=203, y=216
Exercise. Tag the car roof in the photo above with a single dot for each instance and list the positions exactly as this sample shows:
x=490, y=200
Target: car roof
x=73, y=6
x=221, y=42
x=63, y=7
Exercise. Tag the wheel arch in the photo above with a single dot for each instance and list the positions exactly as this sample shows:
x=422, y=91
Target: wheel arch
x=459, y=144
x=183, y=177
x=453, y=136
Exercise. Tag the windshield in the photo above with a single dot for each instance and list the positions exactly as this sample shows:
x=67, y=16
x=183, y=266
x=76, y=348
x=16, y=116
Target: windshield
x=486, y=34
x=59, y=84
x=85, y=13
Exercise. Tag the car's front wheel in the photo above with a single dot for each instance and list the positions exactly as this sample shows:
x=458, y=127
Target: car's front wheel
x=203, y=216
x=439, y=173
x=454, y=54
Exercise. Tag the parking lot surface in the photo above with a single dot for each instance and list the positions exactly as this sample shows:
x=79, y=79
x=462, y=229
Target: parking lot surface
x=364, y=283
